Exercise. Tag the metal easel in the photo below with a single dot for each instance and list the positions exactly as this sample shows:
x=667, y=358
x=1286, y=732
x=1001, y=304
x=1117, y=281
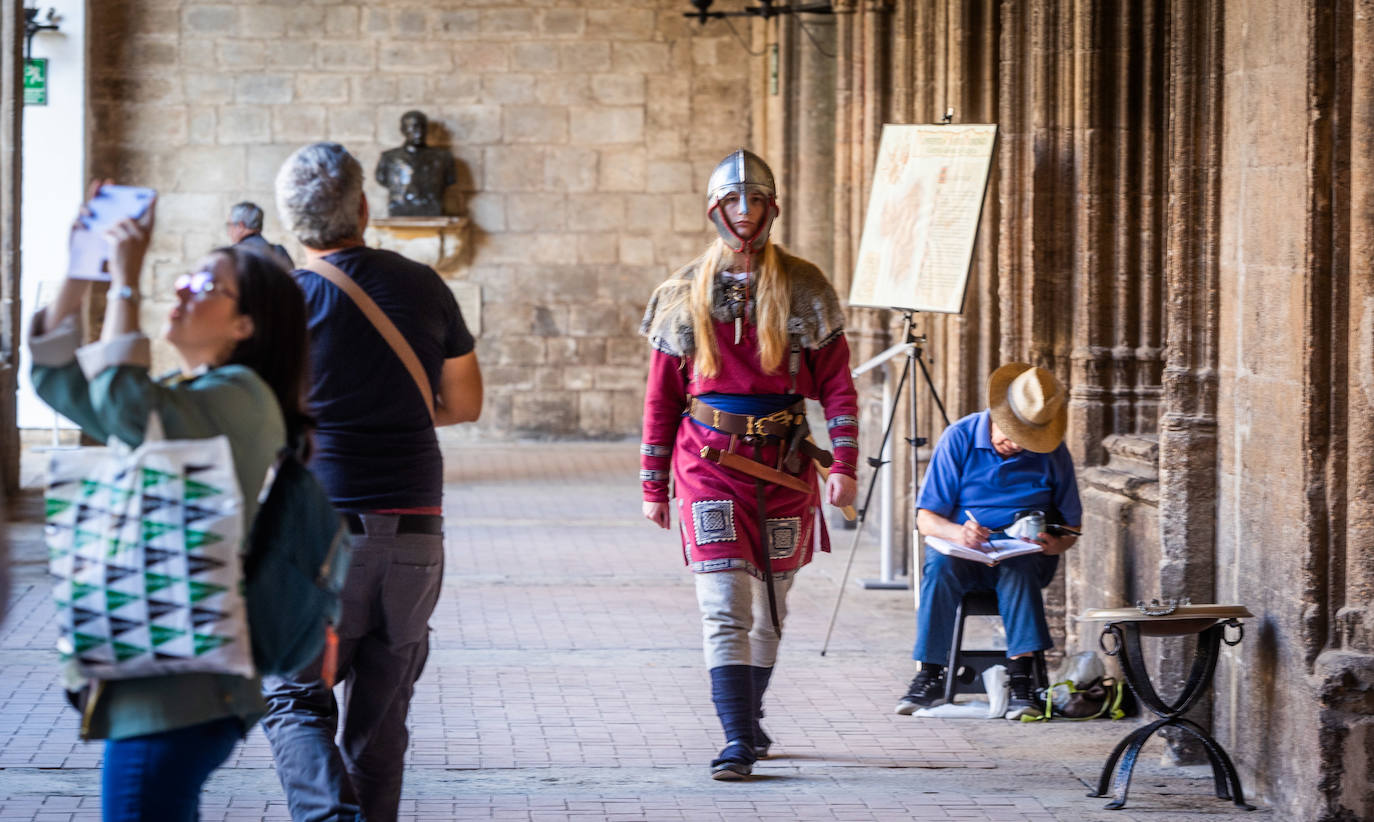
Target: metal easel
x=911, y=346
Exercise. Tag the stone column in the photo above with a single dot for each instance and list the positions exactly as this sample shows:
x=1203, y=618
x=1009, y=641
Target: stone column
x=811, y=99
x=1188, y=427
x=11, y=137
x=1343, y=630
x=1355, y=617
x=1094, y=178
x=844, y=231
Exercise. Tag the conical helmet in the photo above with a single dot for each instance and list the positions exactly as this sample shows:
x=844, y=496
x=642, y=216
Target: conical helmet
x=742, y=172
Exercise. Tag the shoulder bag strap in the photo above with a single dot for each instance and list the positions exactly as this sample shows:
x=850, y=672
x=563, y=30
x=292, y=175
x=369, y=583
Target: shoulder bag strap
x=381, y=322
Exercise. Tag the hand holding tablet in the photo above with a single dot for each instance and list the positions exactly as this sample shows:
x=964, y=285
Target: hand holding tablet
x=111, y=204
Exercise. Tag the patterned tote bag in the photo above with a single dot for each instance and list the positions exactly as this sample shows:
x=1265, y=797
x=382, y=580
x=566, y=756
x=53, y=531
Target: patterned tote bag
x=144, y=549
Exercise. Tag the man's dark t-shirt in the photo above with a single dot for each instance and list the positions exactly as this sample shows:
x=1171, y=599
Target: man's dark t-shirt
x=375, y=446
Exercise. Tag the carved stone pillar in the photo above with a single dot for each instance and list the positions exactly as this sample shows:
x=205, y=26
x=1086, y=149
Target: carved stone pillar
x=1036, y=169
x=1342, y=459
x=846, y=232
x=1188, y=427
x=809, y=130
x=11, y=136
x=1354, y=618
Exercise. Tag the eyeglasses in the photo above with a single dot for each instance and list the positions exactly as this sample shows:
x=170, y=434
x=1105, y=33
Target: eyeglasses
x=201, y=285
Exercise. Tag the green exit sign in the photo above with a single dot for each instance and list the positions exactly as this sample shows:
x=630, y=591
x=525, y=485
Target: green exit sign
x=36, y=82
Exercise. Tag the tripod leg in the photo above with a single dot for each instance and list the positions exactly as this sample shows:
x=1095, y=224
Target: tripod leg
x=934, y=394
x=877, y=464
x=844, y=580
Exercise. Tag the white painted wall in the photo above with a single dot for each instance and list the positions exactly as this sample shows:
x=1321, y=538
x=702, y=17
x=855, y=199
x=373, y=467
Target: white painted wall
x=54, y=177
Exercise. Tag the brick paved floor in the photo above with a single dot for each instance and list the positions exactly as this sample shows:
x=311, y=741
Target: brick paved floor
x=566, y=682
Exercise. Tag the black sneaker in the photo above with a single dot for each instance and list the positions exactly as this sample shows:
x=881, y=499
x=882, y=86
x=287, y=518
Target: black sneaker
x=1023, y=701
x=926, y=691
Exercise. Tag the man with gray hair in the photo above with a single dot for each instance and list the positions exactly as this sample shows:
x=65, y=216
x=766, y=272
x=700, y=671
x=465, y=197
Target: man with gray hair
x=376, y=453
x=245, y=230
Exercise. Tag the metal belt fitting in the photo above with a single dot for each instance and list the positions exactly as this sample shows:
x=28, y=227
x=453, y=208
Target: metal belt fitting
x=755, y=426
x=777, y=424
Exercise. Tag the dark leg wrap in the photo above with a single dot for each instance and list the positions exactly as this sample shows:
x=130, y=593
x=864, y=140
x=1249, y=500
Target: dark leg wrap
x=760, y=676
x=732, y=690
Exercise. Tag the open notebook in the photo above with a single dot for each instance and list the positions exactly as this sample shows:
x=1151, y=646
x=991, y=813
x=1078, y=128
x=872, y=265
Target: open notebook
x=1002, y=548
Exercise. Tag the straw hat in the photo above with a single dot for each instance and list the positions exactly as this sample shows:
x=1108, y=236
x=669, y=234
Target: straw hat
x=1030, y=405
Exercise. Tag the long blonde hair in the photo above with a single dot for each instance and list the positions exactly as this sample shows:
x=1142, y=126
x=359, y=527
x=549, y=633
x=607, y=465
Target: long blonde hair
x=772, y=308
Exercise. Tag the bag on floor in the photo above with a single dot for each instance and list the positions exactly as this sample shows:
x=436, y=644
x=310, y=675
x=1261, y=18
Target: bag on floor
x=298, y=556
x=1102, y=698
x=1084, y=691
x=144, y=547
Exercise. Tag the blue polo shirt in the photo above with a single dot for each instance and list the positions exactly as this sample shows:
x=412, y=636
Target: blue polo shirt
x=965, y=472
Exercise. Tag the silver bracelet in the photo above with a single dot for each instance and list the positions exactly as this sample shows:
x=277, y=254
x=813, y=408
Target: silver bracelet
x=124, y=292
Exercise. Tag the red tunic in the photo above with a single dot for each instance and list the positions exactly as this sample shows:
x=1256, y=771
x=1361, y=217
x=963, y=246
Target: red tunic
x=716, y=505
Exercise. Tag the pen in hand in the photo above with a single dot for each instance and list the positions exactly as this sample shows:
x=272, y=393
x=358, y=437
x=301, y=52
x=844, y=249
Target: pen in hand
x=980, y=532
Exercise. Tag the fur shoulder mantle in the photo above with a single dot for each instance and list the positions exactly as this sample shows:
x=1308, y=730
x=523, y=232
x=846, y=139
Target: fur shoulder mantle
x=816, y=316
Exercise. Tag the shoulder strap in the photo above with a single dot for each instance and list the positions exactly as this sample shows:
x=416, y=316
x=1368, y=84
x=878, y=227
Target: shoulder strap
x=381, y=322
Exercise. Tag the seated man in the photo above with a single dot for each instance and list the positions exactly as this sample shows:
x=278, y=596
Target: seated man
x=987, y=468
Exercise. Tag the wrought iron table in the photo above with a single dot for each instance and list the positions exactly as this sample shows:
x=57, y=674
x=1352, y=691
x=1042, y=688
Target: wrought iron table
x=1125, y=626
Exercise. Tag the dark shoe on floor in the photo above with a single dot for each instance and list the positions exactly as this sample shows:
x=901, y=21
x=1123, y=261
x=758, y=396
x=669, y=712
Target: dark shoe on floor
x=926, y=691
x=735, y=762
x=1023, y=701
x=762, y=742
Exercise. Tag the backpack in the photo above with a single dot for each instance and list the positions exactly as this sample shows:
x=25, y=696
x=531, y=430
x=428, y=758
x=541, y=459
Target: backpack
x=298, y=556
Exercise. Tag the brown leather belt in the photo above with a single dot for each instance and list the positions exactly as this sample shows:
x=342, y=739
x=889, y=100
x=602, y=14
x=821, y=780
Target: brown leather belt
x=779, y=424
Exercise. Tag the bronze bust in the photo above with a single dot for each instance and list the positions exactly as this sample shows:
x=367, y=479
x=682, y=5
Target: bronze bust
x=415, y=174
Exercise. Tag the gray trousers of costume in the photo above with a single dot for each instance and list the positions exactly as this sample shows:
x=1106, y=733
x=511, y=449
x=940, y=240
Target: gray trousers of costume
x=736, y=628
x=389, y=595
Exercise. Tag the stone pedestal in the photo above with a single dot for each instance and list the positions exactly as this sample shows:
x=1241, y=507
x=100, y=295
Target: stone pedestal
x=440, y=243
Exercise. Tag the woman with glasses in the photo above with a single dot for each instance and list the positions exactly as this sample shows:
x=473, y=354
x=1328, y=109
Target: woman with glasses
x=238, y=328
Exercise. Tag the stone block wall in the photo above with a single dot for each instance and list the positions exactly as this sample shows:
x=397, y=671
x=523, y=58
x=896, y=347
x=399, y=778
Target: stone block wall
x=584, y=133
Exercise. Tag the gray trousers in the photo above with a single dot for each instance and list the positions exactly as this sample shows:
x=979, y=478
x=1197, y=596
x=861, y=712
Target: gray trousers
x=391, y=589
x=736, y=627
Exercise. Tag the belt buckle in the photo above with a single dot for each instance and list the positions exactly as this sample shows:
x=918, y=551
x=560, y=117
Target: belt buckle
x=783, y=417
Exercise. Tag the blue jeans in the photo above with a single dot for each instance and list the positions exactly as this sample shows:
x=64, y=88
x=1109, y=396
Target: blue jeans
x=1017, y=581
x=159, y=776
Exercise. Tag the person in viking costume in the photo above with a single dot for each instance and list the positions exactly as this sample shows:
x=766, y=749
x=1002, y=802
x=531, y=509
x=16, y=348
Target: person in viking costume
x=741, y=336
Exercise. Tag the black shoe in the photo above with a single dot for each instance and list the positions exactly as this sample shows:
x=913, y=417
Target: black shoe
x=762, y=742
x=926, y=691
x=735, y=762
x=1023, y=701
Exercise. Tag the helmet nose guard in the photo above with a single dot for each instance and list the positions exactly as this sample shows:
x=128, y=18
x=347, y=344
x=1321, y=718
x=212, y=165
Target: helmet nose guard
x=742, y=172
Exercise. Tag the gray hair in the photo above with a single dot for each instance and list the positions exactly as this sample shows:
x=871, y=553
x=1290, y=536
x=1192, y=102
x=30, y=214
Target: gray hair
x=247, y=215
x=319, y=192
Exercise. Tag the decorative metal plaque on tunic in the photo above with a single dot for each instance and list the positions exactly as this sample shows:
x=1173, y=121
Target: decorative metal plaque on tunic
x=416, y=174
